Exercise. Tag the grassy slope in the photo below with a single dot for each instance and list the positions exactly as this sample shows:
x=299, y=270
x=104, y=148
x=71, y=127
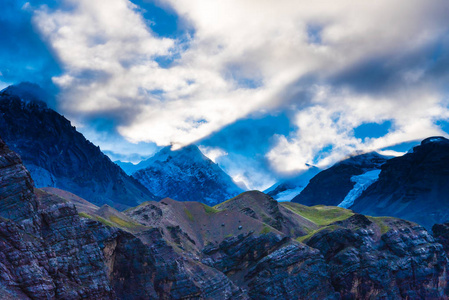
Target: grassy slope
x=321, y=215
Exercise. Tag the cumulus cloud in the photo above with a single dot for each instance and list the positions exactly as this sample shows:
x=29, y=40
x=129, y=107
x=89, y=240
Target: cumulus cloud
x=333, y=66
x=330, y=120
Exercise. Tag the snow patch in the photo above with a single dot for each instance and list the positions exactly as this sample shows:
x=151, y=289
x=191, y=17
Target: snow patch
x=362, y=182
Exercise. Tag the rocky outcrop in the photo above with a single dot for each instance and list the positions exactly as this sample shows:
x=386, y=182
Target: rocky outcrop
x=383, y=258
x=153, y=270
x=57, y=155
x=413, y=187
x=272, y=267
x=45, y=253
x=18, y=202
x=186, y=175
x=331, y=186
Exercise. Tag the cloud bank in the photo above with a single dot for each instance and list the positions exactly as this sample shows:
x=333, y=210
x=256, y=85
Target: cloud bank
x=331, y=67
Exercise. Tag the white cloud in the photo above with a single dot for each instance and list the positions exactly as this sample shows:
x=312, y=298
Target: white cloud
x=212, y=152
x=108, y=56
x=330, y=121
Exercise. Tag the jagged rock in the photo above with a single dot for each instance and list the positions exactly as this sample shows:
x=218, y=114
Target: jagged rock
x=155, y=271
x=272, y=267
x=17, y=200
x=405, y=262
x=45, y=252
x=57, y=155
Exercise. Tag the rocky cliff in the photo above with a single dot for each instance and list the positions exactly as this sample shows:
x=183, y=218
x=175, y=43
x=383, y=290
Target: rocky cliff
x=45, y=253
x=382, y=258
x=58, y=156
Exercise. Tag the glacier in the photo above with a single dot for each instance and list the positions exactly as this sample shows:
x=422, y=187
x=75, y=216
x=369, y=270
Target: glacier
x=362, y=182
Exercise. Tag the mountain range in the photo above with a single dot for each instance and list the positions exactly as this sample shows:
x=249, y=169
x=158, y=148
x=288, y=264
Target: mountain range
x=74, y=225
x=414, y=186
x=56, y=245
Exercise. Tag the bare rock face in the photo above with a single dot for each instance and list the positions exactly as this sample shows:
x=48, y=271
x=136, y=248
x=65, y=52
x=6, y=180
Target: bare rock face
x=57, y=155
x=272, y=267
x=405, y=262
x=18, y=202
x=153, y=270
x=46, y=253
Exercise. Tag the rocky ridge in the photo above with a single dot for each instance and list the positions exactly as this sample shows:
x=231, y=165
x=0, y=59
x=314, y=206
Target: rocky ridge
x=57, y=155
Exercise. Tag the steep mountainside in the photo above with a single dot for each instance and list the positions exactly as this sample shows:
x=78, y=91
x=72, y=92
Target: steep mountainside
x=187, y=175
x=44, y=251
x=382, y=258
x=414, y=186
x=58, y=156
x=332, y=186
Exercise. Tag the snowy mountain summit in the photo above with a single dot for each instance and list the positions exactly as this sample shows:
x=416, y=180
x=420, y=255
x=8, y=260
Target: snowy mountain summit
x=187, y=175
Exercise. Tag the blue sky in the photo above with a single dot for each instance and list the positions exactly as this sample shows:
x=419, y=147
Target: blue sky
x=264, y=87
